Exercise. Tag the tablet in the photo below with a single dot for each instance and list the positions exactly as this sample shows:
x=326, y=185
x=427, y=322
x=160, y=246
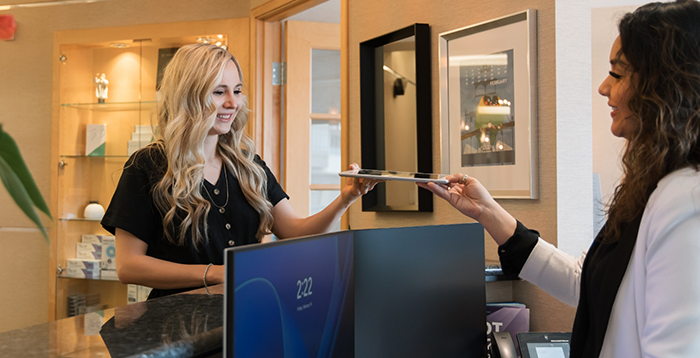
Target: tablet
x=544, y=344
x=392, y=175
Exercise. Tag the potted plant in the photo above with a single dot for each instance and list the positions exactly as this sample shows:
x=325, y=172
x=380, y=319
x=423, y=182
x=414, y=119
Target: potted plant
x=19, y=182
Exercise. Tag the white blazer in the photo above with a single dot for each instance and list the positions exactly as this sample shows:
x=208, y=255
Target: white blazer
x=657, y=307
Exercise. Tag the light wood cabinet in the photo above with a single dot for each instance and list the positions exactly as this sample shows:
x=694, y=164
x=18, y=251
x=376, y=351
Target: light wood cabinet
x=129, y=57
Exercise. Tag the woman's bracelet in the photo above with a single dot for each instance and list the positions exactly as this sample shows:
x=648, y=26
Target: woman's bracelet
x=204, y=279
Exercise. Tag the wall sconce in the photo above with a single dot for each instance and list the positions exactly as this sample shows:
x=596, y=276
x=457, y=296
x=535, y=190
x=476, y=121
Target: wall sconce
x=8, y=26
x=400, y=83
x=399, y=89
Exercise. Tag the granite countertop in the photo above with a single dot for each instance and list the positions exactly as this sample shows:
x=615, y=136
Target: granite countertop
x=184, y=325
x=189, y=324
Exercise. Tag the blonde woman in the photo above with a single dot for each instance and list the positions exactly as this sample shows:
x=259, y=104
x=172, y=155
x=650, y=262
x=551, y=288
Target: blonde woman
x=200, y=188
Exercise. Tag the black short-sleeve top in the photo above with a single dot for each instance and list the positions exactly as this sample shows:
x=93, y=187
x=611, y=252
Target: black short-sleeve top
x=132, y=209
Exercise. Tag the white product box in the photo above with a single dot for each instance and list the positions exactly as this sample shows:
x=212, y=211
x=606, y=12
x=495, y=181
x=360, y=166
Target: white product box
x=93, y=265
x=86, y=251
x=108, y=253
x=91, y=239
x=94, y=239
x=139, y=128
x=109, y=275
x=93, y=322
x=137, y=293
x=132, y=146
x=95, y=139
x=143, y=292
x=132, y=292
x=82, y=273
x=143, y=136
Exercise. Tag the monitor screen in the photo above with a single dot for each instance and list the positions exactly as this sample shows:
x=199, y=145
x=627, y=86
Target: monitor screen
x=544, y=344
x=420, y=292
x=292, y=298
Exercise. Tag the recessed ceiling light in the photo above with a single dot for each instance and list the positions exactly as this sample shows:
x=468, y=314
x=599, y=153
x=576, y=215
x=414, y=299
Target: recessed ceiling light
x=119, y=45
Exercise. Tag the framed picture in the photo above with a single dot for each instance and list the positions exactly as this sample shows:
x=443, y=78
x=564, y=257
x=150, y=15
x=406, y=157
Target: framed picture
x=488, y=104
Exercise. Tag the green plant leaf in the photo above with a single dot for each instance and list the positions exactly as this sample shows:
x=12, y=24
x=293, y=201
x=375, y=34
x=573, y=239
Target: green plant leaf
x=10, y=153
x=18, y=192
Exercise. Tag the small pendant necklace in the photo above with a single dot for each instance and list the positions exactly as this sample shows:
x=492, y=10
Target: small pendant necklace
x=221, y=208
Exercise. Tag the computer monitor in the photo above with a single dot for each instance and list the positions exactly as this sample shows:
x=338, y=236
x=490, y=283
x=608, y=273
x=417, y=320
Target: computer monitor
x=398, y=292
x=420, y=292
x=291, y=298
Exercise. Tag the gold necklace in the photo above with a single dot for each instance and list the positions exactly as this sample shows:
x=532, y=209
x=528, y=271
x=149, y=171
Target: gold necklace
x=221, y=208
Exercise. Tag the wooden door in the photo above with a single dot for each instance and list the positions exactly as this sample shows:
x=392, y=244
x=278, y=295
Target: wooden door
x=311, y=109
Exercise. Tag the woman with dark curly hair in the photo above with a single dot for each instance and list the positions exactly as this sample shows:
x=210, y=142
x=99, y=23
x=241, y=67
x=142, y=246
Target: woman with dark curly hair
x=638, y=286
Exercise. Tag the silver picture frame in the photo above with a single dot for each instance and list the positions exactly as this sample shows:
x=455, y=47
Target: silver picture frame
x=488, y=104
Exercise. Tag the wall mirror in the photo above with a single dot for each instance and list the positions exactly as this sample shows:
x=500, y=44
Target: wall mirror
x=396, y=111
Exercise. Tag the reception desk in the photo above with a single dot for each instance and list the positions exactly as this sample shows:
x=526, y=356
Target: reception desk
x=184, y=325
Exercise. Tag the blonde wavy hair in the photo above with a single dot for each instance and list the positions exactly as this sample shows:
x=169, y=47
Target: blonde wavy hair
x=185, y=113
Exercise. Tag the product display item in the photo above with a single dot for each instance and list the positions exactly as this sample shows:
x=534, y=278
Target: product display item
x=94, y=211
x=95, y=139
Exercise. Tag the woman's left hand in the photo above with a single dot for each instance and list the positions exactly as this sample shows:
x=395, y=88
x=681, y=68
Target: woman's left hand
x=356, y=187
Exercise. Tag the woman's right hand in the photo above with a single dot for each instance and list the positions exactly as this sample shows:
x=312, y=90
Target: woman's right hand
x=465, y=193
x=468, y=196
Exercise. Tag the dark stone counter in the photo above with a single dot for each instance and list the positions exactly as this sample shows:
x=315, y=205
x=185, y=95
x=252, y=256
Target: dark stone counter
x=184, y=325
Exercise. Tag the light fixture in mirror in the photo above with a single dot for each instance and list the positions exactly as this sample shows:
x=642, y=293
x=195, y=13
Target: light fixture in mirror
x=396, y=111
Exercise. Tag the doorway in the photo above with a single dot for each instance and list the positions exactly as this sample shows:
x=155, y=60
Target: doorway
x=298, y=100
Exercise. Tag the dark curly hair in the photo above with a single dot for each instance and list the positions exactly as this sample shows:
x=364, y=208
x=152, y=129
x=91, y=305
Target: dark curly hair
x=661, y=42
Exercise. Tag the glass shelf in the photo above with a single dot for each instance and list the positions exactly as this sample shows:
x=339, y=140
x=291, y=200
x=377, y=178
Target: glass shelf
x=94, y=156
x=62, y=275
x=112, y=106
x=79, y=219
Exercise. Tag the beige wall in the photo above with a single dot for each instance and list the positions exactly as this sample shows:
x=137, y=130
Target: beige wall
x=371, y=18
x=25, y=112
x=606, y=147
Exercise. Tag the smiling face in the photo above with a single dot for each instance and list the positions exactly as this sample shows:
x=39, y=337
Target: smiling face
x=228, y=99
x=617, y=87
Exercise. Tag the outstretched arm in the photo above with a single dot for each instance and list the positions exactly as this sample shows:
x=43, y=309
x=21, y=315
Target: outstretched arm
x=468, y=196
x=288, y=223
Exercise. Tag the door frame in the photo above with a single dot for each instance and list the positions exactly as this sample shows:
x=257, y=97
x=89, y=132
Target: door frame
x=265, y=38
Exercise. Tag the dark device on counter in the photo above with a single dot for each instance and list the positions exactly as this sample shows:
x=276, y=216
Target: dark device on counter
x=544, y=344
x=502, y=345
x=363, y=293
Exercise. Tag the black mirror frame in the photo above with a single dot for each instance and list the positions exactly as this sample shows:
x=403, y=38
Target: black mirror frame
x=371, y=133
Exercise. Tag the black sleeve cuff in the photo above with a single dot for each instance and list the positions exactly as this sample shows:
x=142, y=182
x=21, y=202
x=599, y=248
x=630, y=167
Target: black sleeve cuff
x=514, y=252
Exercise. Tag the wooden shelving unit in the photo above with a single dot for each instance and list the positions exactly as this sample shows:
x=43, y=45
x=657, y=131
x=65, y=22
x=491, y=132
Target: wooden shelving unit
x=77, y=179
